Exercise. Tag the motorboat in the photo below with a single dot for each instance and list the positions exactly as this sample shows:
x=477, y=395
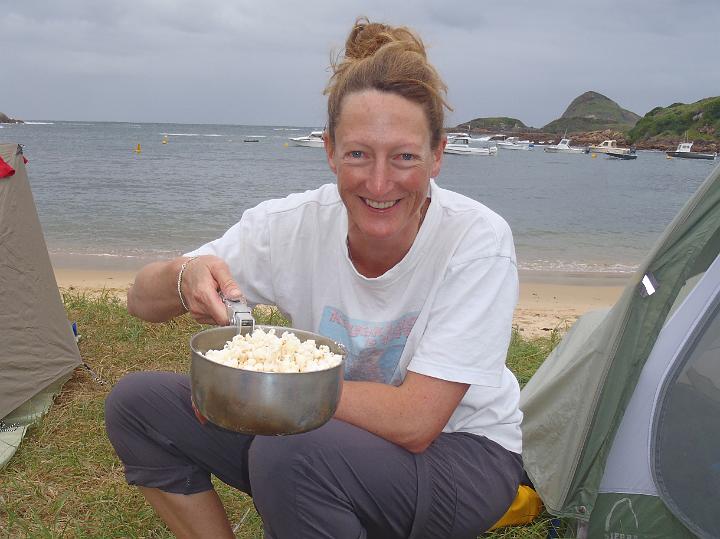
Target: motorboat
x=684, y=150
x=619, y=153
x=459, y=144
x=563, y=147
x=514, y=143
x=607, y=146
x=313, y=140
x=456, y=135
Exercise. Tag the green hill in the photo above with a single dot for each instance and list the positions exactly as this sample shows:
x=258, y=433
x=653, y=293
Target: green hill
x=592, y=111
x=498, y=123
x=700, y=120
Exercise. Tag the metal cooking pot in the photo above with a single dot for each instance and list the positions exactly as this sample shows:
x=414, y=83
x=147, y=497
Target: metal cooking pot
x=261, y=402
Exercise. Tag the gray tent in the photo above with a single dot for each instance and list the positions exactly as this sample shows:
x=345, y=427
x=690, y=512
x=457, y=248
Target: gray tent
x=38, y=351
x=622, y=421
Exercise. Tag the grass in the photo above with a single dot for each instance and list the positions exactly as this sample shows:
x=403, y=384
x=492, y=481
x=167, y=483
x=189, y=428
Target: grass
x=66, y=482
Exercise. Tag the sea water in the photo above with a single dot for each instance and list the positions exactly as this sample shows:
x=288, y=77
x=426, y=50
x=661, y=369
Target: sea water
x=96, y=195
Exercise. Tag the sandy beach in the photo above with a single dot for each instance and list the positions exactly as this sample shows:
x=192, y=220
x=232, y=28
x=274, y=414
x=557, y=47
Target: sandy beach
x=548, y=300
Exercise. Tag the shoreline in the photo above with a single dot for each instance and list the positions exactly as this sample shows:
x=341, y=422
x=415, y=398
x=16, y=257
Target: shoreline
x=549, y=300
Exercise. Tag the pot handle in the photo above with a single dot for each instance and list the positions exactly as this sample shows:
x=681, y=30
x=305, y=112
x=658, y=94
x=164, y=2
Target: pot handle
x=239, y=314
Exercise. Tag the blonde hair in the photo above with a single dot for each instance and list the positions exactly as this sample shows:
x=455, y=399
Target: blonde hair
x=388, y=59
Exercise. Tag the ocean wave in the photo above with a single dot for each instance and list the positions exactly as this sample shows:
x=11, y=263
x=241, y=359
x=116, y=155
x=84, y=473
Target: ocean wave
x=119, y=254
x=39, y=123
x=286, y=129
x=563, y=266
x=192, y=134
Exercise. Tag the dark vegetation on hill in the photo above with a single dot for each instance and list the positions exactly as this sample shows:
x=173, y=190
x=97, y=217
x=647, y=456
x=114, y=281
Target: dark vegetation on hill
x=498, y=123
x=592, y=111
x=699, y=120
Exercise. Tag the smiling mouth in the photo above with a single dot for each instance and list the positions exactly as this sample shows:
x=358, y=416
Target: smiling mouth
x=378, y=205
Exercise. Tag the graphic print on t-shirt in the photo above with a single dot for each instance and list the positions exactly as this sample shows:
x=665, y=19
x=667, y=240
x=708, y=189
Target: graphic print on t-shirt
x=374, y=348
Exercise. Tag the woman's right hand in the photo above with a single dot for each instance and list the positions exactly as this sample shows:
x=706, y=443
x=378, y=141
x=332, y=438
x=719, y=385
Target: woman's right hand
x=154, y=294
x=203, y=279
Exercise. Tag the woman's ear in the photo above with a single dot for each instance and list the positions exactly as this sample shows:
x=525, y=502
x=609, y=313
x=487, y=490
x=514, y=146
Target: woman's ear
x=329, y=151
x=438, y=157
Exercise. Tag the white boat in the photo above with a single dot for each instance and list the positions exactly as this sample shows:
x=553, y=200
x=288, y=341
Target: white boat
x=313, y=140
x=609, y=146
x=684, y=151
x=563, y=147
x=456, y=135
x=459, y=144
x=514, y=143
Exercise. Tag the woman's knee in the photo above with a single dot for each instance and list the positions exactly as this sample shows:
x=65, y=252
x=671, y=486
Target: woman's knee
x=124, y=393
x=137, y=399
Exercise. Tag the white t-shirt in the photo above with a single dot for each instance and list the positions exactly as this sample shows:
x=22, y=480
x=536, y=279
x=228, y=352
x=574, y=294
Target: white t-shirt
x=445, y=310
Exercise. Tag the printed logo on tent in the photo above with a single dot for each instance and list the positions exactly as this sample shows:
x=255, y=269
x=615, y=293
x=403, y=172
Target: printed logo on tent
x=624, y=525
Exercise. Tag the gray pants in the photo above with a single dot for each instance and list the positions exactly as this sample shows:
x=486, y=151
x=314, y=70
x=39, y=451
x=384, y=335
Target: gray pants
x=335, y=482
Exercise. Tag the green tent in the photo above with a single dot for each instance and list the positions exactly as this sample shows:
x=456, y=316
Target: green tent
x=622, y=421
x=38, y=351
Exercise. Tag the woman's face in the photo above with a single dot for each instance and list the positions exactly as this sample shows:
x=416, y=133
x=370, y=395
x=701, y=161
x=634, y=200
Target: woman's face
x=383, y=162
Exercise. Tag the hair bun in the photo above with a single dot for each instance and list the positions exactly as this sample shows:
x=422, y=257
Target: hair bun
x=366, y=38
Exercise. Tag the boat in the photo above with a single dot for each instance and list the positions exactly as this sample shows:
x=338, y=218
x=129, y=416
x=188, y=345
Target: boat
x=514, y=143
x=608, y=145
x=456, y=135
x=313, y=140
x=459, y=144
x=684, y=151
x=563, y=147
x=619, y=153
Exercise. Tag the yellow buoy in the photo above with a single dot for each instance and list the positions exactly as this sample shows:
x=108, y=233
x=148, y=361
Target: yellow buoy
x=138, y=149
x=165, y=140
x=593, y=155
x=285, y=145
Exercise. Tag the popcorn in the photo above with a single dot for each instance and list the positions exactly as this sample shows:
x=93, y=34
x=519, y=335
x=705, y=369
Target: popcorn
x=265, y=352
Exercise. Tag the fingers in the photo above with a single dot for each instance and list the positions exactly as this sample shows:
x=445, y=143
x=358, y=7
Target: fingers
x=223, y=277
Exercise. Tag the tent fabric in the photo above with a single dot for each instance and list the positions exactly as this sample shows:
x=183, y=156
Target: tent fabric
x=628, y=467
x=634, y=516
x=574, y=403
x=14, y=425
x=37, y=347
x=685, y=422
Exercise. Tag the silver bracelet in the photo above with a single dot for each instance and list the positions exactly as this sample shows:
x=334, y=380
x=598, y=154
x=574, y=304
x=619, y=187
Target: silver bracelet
x=179, y=280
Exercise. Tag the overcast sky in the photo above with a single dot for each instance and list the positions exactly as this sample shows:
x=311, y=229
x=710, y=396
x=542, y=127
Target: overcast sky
x=266, y=62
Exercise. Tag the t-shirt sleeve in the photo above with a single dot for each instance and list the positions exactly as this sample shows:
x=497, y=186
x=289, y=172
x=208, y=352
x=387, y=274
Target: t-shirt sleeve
x=470, y=323
x=245, y=248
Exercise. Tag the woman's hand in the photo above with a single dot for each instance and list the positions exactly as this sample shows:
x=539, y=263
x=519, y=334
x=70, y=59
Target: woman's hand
x=202, y=279
x=154, y=294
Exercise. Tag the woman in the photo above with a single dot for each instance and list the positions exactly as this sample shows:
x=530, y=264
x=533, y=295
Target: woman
x=418, y=282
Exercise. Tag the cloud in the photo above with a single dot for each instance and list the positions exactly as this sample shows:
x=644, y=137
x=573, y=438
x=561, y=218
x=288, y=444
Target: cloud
x=237, y=61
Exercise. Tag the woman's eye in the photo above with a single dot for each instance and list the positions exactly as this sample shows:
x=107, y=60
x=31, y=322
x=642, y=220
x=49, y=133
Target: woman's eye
x=407, y=156
x=356, y=154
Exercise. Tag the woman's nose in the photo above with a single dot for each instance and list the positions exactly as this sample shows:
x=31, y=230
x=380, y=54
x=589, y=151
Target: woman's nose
x=379, y=181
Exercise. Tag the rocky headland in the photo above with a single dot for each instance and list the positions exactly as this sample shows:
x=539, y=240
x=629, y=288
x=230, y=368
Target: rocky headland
x=5, y=119
x=591, y=118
